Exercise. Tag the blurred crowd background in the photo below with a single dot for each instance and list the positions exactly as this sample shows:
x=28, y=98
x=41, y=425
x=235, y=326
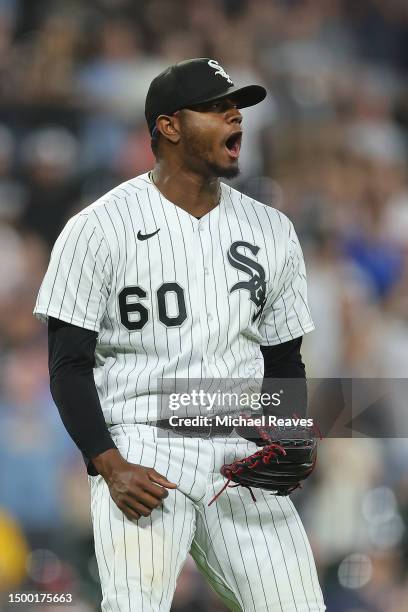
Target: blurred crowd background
x=328, y=147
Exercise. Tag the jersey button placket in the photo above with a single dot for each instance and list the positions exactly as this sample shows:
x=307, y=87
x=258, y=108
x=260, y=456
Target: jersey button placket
x=205, y=298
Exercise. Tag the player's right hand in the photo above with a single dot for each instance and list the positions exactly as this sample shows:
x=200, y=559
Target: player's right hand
x=135, y=489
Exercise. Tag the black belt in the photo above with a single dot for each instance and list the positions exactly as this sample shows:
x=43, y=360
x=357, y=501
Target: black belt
x=204, y=431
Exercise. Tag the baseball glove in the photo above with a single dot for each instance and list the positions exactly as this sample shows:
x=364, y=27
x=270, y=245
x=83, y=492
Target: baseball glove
x=287, y=458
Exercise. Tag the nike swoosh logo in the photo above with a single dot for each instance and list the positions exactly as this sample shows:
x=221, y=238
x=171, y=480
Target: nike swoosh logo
x=141, y=236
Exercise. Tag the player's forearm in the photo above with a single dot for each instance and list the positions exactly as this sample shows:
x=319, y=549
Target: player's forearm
x=80, y=410
x=71, y=358
x=284, y=371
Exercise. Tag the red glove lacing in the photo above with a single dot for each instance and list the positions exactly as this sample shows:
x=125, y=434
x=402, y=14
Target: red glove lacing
x=264, y=455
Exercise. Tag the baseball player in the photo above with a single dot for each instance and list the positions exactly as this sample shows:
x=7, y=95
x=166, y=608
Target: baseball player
x=174, y=275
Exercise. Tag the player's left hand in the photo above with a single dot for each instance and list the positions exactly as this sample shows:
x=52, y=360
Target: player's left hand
x=287, y=457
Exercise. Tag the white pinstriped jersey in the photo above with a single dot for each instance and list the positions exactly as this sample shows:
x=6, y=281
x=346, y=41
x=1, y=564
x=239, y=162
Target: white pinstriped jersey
x=172, y=296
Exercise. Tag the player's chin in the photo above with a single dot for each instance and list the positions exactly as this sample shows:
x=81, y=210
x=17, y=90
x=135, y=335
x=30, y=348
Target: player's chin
x=231, y=172
x=226, y=170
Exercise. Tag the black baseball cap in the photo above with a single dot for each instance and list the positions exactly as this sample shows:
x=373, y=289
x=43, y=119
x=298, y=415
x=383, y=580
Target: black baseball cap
x=192, y=82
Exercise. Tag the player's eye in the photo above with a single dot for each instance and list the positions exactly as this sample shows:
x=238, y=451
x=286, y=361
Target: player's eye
x=209, y=107
x=216, y=106
x=220, y=106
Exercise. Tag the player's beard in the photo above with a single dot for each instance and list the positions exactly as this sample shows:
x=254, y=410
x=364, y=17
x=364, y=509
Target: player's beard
x=223, y=171
x=198, y=151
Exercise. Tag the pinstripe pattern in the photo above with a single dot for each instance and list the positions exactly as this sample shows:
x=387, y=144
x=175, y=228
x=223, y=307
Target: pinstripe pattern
x=256, y=556
x=98, y=254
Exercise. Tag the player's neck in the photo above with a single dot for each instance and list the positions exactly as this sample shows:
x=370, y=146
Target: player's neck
x=195, y=194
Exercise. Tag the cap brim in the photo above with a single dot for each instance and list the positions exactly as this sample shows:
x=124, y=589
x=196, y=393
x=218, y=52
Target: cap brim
x=245, y=96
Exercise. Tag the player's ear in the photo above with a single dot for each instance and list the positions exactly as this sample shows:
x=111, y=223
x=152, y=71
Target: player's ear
x=169, y=126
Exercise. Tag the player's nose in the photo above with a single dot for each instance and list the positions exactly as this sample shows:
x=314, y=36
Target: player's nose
x=233, y=115
x=231, y=111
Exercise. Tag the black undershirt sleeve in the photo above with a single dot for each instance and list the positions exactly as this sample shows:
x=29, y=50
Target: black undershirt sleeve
x=285, y=371
x=71, y=361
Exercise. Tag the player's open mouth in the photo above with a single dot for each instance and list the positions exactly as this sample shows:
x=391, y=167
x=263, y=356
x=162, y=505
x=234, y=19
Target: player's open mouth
x=233, y=144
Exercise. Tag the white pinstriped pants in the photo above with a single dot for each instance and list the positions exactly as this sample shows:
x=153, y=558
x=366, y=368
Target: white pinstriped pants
x=255, y=555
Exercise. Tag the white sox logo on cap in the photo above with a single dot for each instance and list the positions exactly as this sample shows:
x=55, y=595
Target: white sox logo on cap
x=219, y=70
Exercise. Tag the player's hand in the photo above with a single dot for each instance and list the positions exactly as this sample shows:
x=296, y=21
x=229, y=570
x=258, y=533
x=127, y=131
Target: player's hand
x=136, y=490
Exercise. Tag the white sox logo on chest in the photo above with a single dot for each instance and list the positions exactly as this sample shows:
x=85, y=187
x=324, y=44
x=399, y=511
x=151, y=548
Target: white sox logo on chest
x=256, y=285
